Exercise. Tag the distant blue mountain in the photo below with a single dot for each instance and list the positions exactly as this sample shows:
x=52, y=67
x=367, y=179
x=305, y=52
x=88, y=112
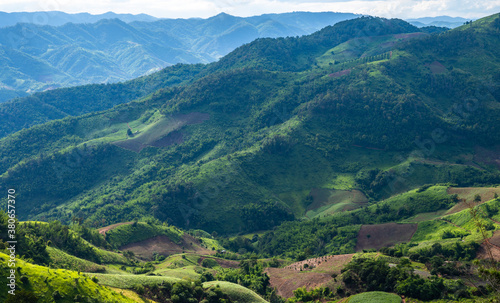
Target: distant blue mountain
x=56, y=18
x=36, y=55
x=441, y=21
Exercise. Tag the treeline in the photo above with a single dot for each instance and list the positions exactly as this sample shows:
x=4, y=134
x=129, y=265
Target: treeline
x=367, y=274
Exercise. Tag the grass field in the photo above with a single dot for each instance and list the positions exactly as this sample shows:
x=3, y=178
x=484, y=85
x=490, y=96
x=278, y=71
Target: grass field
x=43, y=282
x=374, y=297
x=236, y=293
x=128, y=281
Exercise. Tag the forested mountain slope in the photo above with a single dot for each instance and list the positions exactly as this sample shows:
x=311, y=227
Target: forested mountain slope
x=369, y=104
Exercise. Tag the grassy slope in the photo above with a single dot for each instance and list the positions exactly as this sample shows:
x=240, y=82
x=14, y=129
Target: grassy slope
x=374, y=297
x=43, y=281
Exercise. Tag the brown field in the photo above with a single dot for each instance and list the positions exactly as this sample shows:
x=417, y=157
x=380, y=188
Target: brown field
x=340, y=73
x=408, y=36
x=222, y=262
x=436, y=67
x=384, y=235
x=103, y=230
x=468, y=194
x=288, y=279
x=164, y=246
x=488, y=156
x=490, y=248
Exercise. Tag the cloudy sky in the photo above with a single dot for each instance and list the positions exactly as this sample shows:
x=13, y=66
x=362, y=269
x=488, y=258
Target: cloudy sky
x=206, y=8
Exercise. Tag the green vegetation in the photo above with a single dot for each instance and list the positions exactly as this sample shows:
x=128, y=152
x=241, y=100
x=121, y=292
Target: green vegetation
x=138, y=231
x=47, y=285
x=269, y=141
x=365, y=274
x=375, y=297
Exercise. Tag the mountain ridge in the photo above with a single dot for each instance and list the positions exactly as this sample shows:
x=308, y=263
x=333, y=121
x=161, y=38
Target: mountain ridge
x=122, y=51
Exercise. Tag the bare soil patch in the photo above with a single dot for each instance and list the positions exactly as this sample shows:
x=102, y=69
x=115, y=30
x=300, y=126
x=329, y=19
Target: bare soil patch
x=222, y=262
x=318, y=273
x=340, y=73
x=384, y=235
x=488, y=156
x=166, y=247
x=467, y=194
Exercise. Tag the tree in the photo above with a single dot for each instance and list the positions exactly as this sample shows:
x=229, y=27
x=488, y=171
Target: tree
x=129, y=133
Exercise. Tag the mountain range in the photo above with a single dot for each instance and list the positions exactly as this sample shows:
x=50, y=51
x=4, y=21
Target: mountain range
x=441, y=21
x=38, y=57
x=358, y=163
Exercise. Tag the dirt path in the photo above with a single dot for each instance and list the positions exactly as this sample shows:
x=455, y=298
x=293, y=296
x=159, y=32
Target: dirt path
x=103, y=230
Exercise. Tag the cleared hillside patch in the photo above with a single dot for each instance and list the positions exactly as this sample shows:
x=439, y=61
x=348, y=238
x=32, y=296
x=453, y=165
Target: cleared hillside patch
x=329, y=201
x=164, y=245
x=162, y=133
x=317, y=273
x=43, y=282
x=384, y=235
x=467, y=195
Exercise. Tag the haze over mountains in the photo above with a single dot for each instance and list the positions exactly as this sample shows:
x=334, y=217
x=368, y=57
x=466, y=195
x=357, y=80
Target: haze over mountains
x=40, y=57
x=41, y=51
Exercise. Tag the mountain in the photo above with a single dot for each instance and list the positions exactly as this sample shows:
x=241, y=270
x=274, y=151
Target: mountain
x=112, y=50
x=368, y=103
x=357, y=163
x=440, y=21
x=57, y=18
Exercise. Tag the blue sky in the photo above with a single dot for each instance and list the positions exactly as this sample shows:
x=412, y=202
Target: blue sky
x=206, y=8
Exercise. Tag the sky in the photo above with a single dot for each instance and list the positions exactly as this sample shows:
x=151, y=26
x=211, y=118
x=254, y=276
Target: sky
x=404, y=9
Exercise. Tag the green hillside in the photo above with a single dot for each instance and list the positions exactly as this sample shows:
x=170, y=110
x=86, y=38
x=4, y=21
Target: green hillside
x=241, y=146
x=358, y=163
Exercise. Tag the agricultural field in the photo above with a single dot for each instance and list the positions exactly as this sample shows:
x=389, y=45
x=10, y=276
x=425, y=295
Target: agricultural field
x=466, y=195
x=384, y=235
x=161, y=133
x=311, y=273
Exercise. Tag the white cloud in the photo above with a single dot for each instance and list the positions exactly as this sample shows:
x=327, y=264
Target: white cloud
x=207, y=8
